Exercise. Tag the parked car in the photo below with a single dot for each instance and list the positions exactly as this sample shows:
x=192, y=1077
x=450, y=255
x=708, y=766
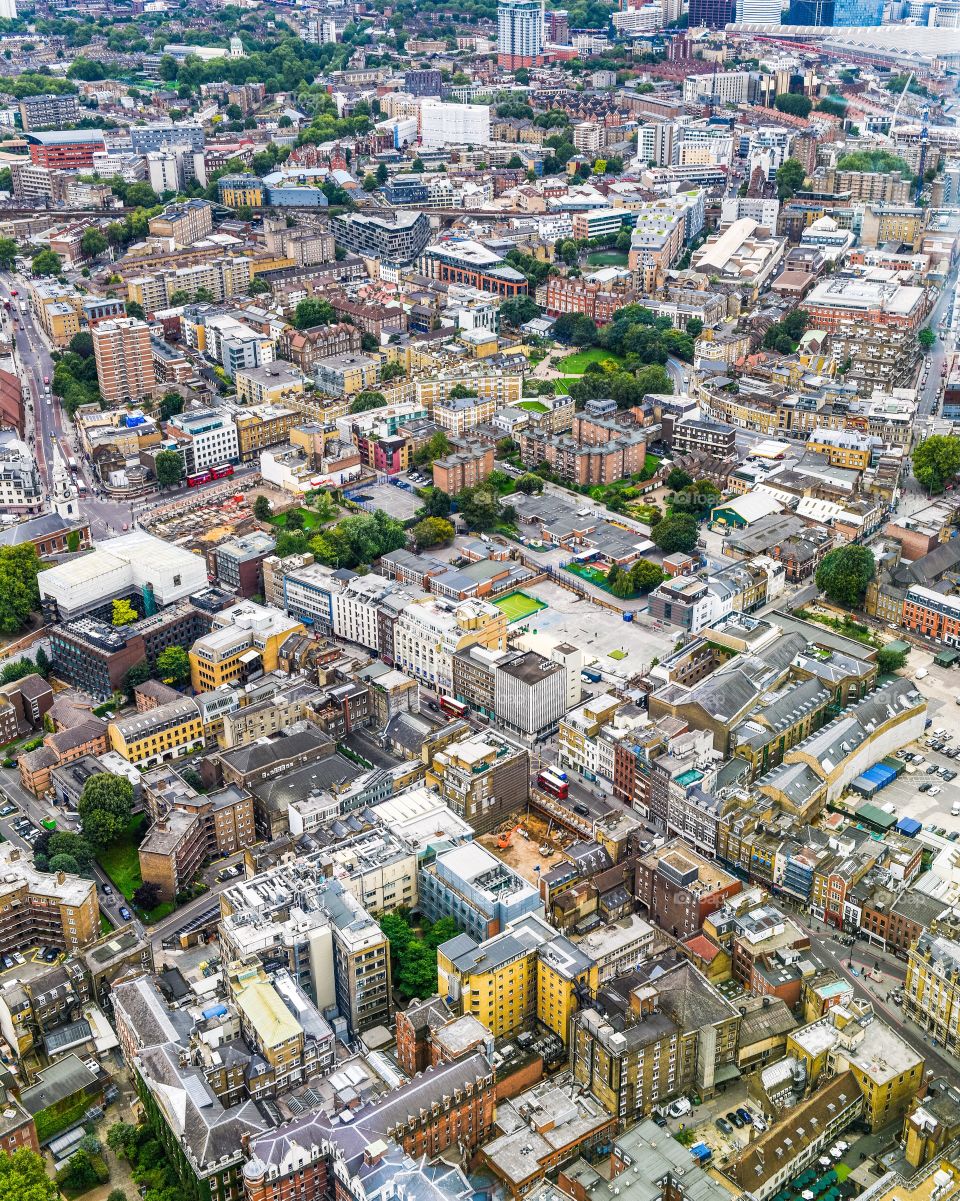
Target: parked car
x=925, y=786
x=746, y=1115
x=932, y=769
x=953, y=835
x=735, y=1119
x=108, y=890
x=723, y=1126
x=680, y=1108
x=949, y=774
x=51, y=955
x=935, y=791
x=7, y=810
x=660, y=1119
x=125, y=913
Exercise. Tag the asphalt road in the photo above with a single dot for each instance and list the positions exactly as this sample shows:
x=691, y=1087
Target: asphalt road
x=862, y=955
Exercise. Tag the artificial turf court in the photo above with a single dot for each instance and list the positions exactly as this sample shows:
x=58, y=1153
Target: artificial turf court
x=517, y=605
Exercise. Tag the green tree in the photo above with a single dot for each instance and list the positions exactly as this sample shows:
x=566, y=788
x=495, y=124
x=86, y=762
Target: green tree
x=790, y=177
x=83, y=1171
x=173, y=665
x=436, y=503
x=171, y=403
x=122, y=1140
x=72, y=846
x=697, y=498
x=936, y=461
x=694, y=327
x=45, y=262
x=530, y=484
x=133, y=309
x=436, y=446
x=8, y=254
x=123, y=612
x=844, y=573
x=93, y=242
x=926, y=337
x=82, y=344
x=645, y=576
x=19, y=595
x=418, y=166
x=310, y=312
x=262, y=509
x=677, y=479
x=23, y=1177
x=518, y=310
x=138, y=674
x=794, y=104
x=676, y=533
x=834, y=106
x=169, y=466
x=417, y=974
x=382, y=174
x=364, y=401
x=258, y=287
x=117, y=1194
x=369, y=182
x=391, y=371
x=178, y=297
x=64, y=863
x=479, y=506
x=432, y=531
x=104, y=807
x=889, y=661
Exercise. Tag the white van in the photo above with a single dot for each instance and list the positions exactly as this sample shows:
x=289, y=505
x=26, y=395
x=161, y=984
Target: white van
x=955, y=809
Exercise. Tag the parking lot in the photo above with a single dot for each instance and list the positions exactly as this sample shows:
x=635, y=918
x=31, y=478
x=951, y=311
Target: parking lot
x=599, y=631
x=702, y=1122
x=396, y=502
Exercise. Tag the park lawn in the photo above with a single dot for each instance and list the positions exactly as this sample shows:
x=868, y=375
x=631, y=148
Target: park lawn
x=608, y=258
x=120, y=860
x=618, y=655
x=517, y=605
x=533, y=406
x=561, y=387
x=311, y=520
x=577, y=363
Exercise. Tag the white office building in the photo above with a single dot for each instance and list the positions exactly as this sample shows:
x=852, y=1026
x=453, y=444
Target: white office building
x=454, y=124
x=529, y=693
x=211, y=439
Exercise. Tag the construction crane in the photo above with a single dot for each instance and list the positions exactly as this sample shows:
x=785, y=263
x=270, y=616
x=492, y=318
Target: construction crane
x=893, y=119
x=924, y=142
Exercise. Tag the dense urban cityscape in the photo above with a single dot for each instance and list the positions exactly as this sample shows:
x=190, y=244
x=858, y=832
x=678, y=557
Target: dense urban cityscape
x=480, y=600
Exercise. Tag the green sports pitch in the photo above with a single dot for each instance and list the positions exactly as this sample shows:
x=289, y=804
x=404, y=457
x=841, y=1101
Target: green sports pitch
x=517, y=605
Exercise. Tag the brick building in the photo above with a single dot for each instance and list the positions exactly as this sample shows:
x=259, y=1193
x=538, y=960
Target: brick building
x=679, y=888
x=468, y=463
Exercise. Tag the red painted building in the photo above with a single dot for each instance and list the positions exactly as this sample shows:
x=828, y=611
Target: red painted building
x=65, y=150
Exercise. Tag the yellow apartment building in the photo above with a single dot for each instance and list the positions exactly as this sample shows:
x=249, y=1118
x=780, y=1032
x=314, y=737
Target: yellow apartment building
x=244, y=642
x=149, y=738
x=887, y=1069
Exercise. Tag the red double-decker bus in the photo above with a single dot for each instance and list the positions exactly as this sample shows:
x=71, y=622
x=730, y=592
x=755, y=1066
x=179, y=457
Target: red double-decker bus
x=199, y=477
x=554, y=782
x=453, y=708
x=221, y=472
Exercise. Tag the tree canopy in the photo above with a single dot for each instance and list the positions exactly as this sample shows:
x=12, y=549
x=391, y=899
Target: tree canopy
x=936, y=461
x=844, y=573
